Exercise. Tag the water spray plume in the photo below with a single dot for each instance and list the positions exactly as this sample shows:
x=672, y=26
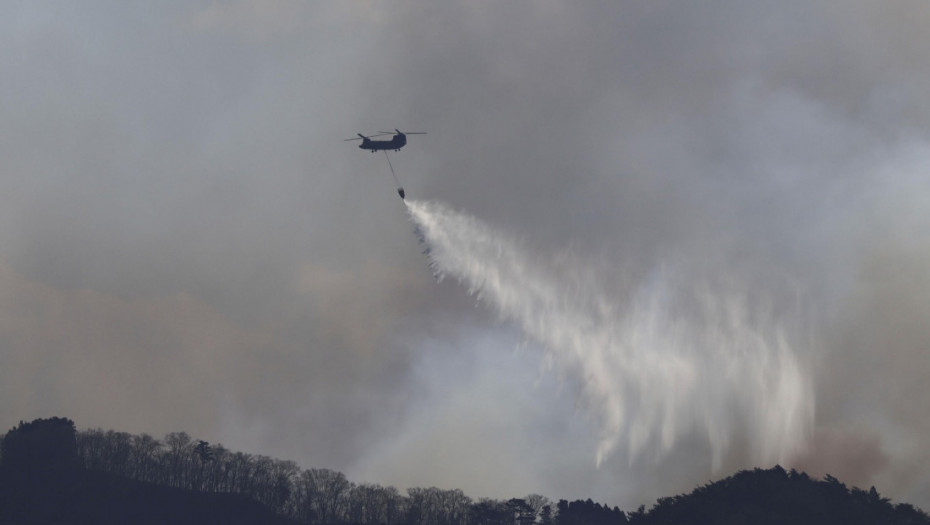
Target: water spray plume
x=671, y=359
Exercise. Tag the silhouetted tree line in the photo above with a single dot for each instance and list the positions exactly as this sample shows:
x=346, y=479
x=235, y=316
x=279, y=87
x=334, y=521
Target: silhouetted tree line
x=323, y=496
x=312, y=496
x=588, y=513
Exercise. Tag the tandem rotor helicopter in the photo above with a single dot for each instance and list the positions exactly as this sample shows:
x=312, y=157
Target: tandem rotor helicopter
x=399, y=140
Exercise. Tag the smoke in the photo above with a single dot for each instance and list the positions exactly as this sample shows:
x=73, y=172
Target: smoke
x=675, y=355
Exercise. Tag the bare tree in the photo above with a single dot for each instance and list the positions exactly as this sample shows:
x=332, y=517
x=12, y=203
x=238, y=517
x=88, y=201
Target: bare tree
x=536, y=503
x=144, y=457
x=177, y=459
x=324, y=492
x=454, y=505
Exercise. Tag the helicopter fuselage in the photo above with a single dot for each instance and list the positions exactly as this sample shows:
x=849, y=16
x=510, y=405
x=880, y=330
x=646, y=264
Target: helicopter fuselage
x=397, y=141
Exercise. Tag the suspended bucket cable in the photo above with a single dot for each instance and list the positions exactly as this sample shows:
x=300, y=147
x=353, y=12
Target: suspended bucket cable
x=400, y=189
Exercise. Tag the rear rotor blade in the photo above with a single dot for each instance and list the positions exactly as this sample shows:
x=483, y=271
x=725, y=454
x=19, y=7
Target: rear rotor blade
x=405, y=132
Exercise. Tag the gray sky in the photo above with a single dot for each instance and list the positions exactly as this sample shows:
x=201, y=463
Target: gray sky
x=187, y=244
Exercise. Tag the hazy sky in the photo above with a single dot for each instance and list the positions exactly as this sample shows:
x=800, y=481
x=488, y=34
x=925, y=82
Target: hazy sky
x=186, y=243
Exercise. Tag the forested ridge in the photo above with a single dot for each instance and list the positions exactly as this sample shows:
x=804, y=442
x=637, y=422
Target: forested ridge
x=52, y=473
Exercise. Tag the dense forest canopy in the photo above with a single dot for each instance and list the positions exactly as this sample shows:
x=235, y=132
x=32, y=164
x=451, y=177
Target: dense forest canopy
x=322, y=496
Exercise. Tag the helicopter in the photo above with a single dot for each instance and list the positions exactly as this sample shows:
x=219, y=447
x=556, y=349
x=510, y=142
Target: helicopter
x=399, y=140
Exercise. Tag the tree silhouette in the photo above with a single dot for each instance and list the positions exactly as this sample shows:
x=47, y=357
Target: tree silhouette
x=40, y=445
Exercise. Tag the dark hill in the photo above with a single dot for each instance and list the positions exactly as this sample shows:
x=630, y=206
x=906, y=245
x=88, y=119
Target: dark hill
x=775, y=496
x=50, y=474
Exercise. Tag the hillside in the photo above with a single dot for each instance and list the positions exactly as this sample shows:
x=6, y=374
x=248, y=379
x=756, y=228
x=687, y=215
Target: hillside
x=43, y=482
x=78, y=496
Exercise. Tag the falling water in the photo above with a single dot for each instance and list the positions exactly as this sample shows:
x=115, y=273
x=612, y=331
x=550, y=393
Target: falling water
x=671, y=359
